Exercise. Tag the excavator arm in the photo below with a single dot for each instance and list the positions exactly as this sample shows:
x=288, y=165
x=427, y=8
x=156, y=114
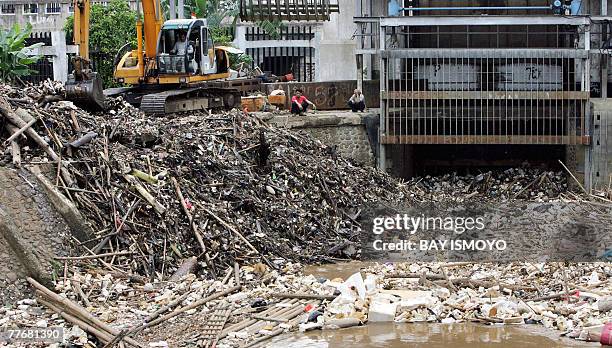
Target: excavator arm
x=83, y=86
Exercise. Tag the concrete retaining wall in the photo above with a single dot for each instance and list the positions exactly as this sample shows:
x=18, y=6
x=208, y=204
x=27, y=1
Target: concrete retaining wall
x=32, y=232
x=353, y=134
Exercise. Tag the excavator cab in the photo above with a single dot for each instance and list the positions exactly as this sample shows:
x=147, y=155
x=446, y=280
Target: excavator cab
x=185, y=47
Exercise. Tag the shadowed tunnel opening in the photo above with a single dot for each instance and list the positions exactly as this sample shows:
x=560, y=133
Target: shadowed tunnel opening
x=420, y=160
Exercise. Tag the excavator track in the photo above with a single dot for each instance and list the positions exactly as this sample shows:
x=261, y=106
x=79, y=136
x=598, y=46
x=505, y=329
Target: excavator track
x=188, y=99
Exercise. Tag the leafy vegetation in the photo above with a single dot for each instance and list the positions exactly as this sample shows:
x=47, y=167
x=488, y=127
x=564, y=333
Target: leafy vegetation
x=14, y=58
x=111, y=27
x=238, y=61
x=272, y=28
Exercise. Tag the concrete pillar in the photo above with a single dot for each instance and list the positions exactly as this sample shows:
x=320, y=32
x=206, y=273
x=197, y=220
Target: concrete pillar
x=240, y=37
x=60, y=59
x=604, y=57
x=599, y=161
x=359, y=58
x=382, y=153
x=317, y=55
x=172, y=10
x=180, y=9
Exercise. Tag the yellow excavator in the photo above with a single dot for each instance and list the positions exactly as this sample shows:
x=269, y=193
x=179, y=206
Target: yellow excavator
x=176, y=66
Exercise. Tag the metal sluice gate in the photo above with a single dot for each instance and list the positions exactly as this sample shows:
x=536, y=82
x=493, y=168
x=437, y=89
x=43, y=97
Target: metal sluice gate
x=487, y=96
x=509, y=80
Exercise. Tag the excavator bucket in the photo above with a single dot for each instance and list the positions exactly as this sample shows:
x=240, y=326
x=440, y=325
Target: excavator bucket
x=87, y=94
x=84, y=88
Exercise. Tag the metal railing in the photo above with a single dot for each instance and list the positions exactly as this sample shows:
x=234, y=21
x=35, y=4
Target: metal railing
x=280, y=61
x=43, y=68
x=287, y=10
x=293, y=32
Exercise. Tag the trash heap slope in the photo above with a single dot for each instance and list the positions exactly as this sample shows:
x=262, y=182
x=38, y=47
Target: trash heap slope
x=250, y=191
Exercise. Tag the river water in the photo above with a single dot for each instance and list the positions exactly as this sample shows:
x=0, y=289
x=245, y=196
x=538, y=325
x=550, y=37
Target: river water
x=392, y=335
x=463, y=335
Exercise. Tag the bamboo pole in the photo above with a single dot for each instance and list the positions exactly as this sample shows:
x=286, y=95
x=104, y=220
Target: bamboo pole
x=231, y=229
x=189, y=216
x=96, y=256
x=167, y=307
x=21, y=130
x=186, y=308
x=249, y=322
x=145, y=194
x=103, y=336
x=15, y=149
x=79, y=311
x=304, y=296
x=293, y=318
x=16, y=118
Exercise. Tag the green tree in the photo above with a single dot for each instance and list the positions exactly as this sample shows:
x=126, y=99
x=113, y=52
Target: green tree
x=219, y=12
x=14, y=58
x=111, y=27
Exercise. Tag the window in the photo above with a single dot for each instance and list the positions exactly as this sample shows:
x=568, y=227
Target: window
x=30, y=9
x=53, y=8
x=8, y=9
x=71, y=7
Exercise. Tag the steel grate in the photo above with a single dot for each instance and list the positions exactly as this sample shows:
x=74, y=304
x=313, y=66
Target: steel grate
x=484, y=96
x=287, y=10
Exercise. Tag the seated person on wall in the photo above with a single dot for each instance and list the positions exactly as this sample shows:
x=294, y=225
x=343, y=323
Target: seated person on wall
x=357, y=101
x=299, y=103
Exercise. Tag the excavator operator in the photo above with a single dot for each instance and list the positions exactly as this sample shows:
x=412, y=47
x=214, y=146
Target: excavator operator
x=181, y=44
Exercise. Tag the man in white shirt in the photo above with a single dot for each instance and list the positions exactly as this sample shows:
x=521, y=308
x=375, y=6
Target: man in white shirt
x=180, y=45
x=357, y=101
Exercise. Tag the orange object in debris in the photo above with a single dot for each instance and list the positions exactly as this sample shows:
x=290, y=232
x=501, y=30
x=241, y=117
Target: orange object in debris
x=278, y=100
x=253, y=103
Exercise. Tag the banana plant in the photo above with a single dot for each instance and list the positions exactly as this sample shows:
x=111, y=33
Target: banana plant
x=15, y=56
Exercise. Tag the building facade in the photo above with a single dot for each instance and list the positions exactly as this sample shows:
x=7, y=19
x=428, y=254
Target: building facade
x=44, y=15
x=312, y=50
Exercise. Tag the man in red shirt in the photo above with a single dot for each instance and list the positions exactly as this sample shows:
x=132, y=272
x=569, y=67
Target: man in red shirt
x=299, y=103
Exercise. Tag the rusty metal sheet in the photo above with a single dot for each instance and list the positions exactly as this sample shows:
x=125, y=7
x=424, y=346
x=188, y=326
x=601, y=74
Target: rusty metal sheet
x=331, y=95
x=493, y=95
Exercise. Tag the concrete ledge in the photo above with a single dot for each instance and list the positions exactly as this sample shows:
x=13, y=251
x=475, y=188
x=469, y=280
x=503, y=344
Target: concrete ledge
x=24, y=253
x=79, y=228
x=318, y=119
x=329, y=95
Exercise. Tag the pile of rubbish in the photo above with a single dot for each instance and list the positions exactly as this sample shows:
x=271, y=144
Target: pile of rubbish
x=514, y=183
x=225, y=187
x=200, y=223
x=252, y=304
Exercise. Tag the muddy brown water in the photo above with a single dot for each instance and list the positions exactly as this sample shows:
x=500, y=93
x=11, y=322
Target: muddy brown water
x=392, y=335
x=463, y=335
